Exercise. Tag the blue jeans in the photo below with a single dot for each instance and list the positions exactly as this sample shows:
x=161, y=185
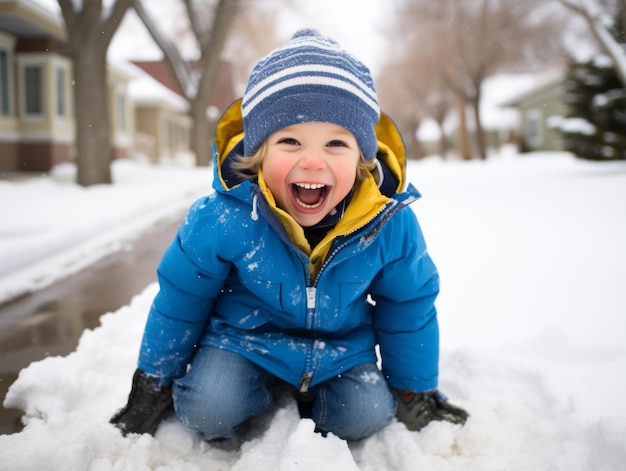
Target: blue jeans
x=222, y=390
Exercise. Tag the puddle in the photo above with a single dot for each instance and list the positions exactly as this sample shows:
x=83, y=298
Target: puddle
x=50, y=322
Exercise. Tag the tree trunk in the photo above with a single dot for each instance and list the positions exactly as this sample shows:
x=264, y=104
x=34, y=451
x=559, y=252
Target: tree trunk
x=443, y=140
x=480, y=134
x=198, y=94
x=412, y=143
x=201, y=134
x=91, y=108
x=464, y=149
x=89, y=35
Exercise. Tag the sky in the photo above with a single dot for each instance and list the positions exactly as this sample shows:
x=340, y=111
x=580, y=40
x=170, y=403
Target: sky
x=532, y=260
x=355, y=24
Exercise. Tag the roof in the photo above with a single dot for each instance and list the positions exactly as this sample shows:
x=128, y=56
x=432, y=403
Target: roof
x=161, y=72
x=146, y=90
x=547, y=85
x=223, y=95
x=30, y=19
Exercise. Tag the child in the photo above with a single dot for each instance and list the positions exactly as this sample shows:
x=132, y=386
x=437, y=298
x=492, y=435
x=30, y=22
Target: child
x=304, y=259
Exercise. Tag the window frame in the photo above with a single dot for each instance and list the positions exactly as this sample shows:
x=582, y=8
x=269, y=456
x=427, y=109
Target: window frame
x=6, y=83
x=32, y=63
x=60, y=91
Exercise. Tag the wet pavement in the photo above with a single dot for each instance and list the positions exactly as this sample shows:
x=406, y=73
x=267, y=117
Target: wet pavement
x=50, y=322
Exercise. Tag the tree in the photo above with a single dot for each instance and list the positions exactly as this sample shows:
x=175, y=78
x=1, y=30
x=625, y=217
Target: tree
x=466, y=41
x=90, y=28
x=607, y=22
x=596, y=125
x=252, y=39
x=197, y=78
x=415, y=92
x=595, y=128
x=392, y=95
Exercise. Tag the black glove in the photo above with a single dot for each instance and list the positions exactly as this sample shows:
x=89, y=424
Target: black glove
x=416, y=410
x=147, y=405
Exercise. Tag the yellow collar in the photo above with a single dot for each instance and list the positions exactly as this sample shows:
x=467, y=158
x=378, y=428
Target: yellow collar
x=366, y=203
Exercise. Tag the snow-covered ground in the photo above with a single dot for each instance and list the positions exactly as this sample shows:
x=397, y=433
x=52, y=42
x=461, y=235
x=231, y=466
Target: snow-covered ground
x=52, y=227
x=532, y=255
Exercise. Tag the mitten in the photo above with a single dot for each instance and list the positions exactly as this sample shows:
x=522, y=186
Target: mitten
x=416, y=410
x=147, y=405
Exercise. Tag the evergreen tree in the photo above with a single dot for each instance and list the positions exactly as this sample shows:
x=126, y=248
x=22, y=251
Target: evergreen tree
x=596, y=100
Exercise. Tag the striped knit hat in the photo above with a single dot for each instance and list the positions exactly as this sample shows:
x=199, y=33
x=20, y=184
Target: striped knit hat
x=310, y=79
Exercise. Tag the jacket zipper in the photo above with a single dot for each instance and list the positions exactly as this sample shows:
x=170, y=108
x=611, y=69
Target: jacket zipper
x=348, y=238
x=308, y=370
x=305, y=382
x=311, y=291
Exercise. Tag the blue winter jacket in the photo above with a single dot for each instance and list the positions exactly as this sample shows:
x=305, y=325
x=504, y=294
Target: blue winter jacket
x=241, y=276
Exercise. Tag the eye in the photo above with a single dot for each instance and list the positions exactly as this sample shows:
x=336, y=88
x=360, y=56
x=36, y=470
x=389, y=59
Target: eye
x=289, y=141
x=337, y=143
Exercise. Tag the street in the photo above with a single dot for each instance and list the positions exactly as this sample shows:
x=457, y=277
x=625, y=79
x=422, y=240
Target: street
x=50, y=322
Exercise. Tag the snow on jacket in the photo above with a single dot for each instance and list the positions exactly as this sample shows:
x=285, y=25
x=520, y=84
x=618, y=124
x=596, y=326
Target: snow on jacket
x=240, y=276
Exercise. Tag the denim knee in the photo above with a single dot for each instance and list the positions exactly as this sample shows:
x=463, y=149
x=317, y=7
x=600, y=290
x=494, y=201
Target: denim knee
x=220, y=391
x=355, y=404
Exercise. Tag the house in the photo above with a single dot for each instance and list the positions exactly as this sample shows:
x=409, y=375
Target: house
x=516, y=109
x=540, y=108
x=160, y=105
x=36, y=128
x=37, y=123
x=161, y=120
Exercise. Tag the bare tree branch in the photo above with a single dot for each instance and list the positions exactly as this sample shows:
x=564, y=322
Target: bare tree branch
x=197, y=79
x=466, y=41
x=609, y=44
x=69, y=16
x=194, y=21
x=215, y=41
x=113, y=21
x=170, y=52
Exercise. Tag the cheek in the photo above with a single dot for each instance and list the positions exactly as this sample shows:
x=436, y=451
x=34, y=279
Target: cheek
x=275, y=174
x=345, y=173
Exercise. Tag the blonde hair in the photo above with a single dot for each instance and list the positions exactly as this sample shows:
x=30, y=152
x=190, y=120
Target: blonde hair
x=247, y=167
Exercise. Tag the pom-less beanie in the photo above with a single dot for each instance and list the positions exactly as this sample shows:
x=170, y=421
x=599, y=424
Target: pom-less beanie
x=310, y=79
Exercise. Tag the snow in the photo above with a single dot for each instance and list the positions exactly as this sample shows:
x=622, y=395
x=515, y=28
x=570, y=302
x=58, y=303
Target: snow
x=52, y=228
x=574, y=126
x=533, y=263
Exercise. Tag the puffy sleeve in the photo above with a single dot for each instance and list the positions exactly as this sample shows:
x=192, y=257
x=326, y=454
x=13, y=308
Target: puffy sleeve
x=190, y=275
x=405, y=316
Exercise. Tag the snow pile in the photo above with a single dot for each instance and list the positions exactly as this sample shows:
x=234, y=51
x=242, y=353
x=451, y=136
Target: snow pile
x=533, y=262
x=52, y=228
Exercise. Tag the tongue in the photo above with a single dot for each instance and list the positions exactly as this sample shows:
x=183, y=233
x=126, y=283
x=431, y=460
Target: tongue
x=309, y=196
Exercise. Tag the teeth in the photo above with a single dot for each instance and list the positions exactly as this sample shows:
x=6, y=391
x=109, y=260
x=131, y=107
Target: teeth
x=310, y=206
x=310, y=186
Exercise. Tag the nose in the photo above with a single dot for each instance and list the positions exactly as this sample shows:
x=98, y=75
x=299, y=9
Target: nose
x=312, y=161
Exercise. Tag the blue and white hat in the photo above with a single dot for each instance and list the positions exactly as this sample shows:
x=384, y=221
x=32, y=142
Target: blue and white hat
x=310, y=79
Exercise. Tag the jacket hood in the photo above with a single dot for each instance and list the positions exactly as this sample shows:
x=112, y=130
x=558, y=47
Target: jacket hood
x=381, y=190
x=228, y=143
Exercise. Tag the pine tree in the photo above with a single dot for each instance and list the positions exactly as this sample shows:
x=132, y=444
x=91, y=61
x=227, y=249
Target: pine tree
x=596, y=101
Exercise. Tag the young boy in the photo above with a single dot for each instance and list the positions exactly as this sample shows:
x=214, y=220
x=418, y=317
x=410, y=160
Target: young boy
x=304, y=259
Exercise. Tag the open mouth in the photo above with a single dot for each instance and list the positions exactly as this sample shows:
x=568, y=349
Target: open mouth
x=309, y=195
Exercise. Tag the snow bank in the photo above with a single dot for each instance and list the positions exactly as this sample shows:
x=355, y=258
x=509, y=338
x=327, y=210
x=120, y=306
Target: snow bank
x=532, y=258
x=52, y=227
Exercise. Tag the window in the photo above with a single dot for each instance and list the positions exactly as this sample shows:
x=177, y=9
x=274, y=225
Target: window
x=534, y=128
x=59, y=77
x=5, y=93
x=33, y=89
